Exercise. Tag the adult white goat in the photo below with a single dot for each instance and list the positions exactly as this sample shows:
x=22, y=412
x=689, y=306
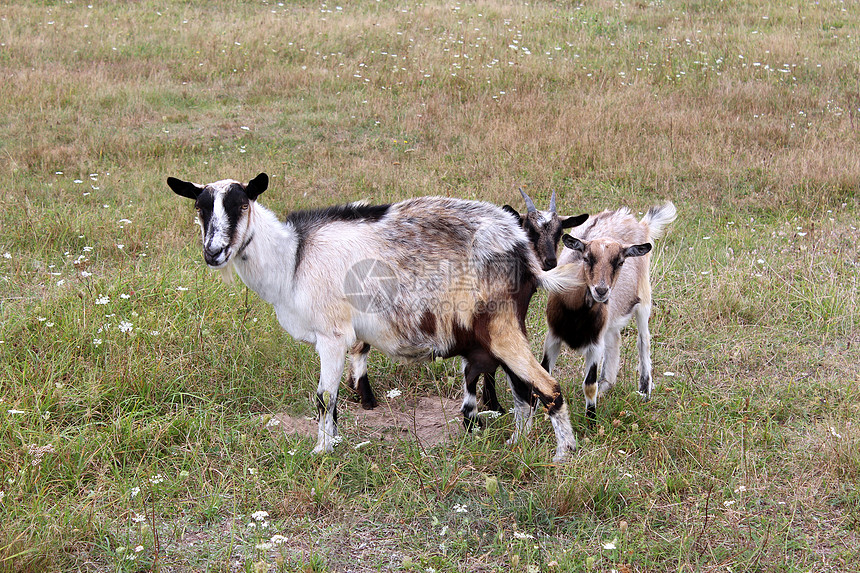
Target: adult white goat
x=590, y=317
x=417, y=279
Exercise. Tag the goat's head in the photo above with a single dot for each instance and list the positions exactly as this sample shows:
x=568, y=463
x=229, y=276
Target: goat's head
x=223, y=213
x=544, y=228
x=602, y=260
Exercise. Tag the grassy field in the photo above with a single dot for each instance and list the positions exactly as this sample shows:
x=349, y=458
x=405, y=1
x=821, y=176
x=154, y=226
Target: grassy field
x=137, y=389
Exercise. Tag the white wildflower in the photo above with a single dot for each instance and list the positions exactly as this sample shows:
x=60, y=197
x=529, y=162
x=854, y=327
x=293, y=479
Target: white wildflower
x=85, y=274
x=125, y=326
x=491, y=414
x=252, y=471
x=138, y=518
x=38, y=452
x=259, y=515
x=97, y=341
x=394, y=393
x=610, y=544
x=278, y=539
x=138, y=549
x=102, y=299
x=135, y=491
x=835, y=434
x=263, y=546
x=156, y=479
x=461, y=508
x=520, y=535
x=125, y=296
x=15, y=412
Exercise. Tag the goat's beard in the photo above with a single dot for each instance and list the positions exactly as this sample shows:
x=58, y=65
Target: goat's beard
x=227, y=273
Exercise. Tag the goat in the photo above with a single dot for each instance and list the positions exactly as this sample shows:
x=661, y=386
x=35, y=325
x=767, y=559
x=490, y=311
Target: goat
x=589, y=318
x=422, y=278
x=544, y=229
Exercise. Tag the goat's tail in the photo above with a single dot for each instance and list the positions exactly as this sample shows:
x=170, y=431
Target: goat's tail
x=658, y=218
x=561, y=279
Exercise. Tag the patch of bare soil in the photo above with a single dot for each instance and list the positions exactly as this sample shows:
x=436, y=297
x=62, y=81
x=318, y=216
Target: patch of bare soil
x=430, y=420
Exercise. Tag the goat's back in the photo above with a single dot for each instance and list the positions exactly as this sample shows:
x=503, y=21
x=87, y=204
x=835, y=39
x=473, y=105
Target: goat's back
x=420, y=267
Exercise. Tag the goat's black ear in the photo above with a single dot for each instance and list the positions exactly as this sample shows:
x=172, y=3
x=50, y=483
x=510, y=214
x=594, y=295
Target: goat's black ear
x=184, y=188
x=573, y=221
x=637, y=250
x=513, y=212
x=573, y=243
x=256, y=186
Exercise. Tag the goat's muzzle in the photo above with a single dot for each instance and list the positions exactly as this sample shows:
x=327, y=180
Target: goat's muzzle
x=215, y=258
x=600, y=293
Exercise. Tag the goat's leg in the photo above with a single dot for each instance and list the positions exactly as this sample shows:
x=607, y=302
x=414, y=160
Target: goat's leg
x=470, y=400
x=488, y=395
x=357, y=375
x=512, y=349
x=611, y=360
x=551, y=350
x=549, y=392
x=643, y=344
x=331, y=351
x=524, y=406
x=593, y=357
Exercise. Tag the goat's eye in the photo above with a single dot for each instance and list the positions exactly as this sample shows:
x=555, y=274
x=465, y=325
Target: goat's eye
x=244, y=206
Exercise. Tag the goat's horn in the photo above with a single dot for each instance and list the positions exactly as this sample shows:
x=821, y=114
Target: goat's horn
x=552, y=202
x=530, y=206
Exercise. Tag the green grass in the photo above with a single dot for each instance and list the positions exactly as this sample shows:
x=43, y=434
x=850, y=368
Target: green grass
x=135, y=386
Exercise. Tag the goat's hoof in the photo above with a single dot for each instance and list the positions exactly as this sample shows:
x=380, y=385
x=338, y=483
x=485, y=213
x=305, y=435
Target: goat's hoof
x=368, y=404
x=564, y=453
x=326, y=446
x=645, y=396
x=471, y=423
x=603, y=387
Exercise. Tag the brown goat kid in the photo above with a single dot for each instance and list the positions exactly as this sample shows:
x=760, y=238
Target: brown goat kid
x=614, y=251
